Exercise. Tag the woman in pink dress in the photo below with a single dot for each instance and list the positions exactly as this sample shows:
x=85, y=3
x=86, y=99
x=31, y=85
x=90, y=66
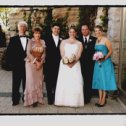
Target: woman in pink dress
x=34, y=70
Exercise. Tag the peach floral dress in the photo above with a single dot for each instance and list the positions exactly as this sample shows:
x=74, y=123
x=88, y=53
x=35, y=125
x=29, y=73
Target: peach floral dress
x=34, y=78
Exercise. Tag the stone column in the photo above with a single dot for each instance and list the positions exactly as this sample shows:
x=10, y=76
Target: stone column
x=113, y=33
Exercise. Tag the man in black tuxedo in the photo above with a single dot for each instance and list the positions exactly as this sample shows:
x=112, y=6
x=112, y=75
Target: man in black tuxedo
x=16, y=53
x=87, y=64
x=51, y=66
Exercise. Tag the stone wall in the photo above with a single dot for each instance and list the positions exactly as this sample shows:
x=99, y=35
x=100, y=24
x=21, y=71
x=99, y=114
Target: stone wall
x=113, y=33
x=36, y=17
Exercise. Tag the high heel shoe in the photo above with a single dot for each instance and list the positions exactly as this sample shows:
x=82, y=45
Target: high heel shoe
x=34, y=104
x=102, y=104
x=96, y=104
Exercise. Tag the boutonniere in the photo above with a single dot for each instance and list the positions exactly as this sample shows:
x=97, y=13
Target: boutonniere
x=90, y=40
x=60, y=39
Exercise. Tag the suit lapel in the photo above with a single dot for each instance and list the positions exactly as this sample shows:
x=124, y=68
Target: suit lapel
x=88, y=43
x=59, y=43
x=53, y=42
x=26, y=44
x=20, y=44
x=82, y=40
x=90, y=40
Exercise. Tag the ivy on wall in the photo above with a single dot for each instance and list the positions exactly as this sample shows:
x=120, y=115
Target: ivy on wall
x=48, y=21
x=87, y=15
x=104, y=19
x=62, y=21
x=4, y=15
x=27, y=18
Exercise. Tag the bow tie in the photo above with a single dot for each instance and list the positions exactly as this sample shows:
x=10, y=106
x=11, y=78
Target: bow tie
x=22, y=36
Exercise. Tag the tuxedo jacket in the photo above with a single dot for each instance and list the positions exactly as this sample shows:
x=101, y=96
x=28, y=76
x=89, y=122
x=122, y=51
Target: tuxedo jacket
x=16, y=54
x=87, y=54
x=52, y=59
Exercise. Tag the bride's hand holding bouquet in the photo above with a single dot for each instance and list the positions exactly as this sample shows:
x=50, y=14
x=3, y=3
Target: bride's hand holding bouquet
x=70, y=61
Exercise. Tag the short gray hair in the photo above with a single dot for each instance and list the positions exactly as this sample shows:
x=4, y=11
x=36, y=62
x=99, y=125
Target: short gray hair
x=22, y=23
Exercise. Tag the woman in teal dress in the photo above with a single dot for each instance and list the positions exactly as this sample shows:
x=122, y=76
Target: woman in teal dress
x=104, y=76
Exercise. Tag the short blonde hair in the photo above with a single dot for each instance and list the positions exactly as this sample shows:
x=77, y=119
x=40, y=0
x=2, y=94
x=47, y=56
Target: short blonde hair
x=22, y=23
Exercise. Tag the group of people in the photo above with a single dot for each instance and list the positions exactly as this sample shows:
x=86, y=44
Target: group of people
x=66, y=66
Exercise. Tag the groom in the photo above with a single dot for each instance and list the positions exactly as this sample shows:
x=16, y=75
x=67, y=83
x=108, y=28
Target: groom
x=53, y=57
x=87, y=64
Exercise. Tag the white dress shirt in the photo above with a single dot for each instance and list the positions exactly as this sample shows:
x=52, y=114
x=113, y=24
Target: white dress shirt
x=23, y=42
x=56, y=39
x=86, y=37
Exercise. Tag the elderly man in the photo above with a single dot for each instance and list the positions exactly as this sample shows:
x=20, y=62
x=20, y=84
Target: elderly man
x=16, y=53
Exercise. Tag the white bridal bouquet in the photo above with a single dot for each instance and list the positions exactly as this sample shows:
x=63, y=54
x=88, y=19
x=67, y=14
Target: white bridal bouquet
x=67, y=60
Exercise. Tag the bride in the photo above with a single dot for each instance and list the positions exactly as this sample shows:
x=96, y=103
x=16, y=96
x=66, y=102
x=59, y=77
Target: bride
x=69, y=89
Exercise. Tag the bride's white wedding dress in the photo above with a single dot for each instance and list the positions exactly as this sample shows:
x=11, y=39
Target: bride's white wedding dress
x=69, y=89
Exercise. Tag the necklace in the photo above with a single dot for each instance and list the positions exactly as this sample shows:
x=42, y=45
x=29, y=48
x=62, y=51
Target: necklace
x=99, y=39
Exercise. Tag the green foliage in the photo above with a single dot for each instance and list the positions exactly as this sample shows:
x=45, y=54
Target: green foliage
x=4, y=14
x=63, y=23
x=104, y=19
x=27, y=18
x=48, y=21
x=87, y=15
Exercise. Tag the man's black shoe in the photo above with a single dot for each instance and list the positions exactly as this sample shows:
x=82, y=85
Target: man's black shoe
x=50, y=103
x=23, y=98
x=87, y=102
x=15, y=103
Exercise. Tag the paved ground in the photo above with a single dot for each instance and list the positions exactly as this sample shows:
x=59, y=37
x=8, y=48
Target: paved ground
x=113, y=106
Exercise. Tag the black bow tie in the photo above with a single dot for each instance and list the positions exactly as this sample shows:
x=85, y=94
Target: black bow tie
x=22, y=36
